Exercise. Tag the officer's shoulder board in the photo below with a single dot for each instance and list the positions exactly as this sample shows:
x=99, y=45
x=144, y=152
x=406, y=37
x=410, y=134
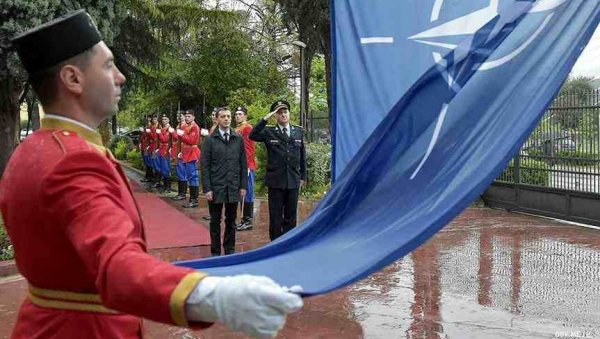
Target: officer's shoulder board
x=70, y=141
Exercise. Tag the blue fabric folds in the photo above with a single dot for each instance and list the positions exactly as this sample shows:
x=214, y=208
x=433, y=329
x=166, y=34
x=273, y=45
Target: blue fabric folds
x=476, y=88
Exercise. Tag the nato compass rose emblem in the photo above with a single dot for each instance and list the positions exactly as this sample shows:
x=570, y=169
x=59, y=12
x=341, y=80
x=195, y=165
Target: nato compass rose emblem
x=467, y=26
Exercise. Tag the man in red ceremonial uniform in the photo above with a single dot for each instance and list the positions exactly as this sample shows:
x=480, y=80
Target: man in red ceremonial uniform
x=76, y=230
x=244, y=129
x=144, y=148
x=176, y=155
x=154, y=145
x=190, y=153
x=164, y=156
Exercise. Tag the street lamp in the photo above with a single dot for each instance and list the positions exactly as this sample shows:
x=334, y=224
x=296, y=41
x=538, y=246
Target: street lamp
x=303, y=98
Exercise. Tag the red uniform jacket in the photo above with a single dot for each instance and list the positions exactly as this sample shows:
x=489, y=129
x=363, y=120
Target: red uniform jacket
x=79, y=241
x=189, y=143
x=244, y=130
x=152, y=138
x=176, y=145
x=163, y=139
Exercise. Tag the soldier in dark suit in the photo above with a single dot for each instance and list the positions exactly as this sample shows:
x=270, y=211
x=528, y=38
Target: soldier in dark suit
x=224, y=179
x=286, y=166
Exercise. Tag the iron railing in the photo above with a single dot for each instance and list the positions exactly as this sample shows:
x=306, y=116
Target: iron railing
x=563, y=151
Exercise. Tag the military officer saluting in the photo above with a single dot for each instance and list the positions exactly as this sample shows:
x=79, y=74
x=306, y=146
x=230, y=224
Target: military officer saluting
x=286, y=166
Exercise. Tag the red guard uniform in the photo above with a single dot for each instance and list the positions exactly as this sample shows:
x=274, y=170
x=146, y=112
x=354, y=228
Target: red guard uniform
x=163, y=139
x=79, y=241
x=152, y=139
x=244, y=130
x=189, y=143
x=176, y=146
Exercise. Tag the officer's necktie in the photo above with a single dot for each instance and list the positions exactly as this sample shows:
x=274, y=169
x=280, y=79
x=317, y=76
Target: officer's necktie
x=226, y=136
x=285, y=132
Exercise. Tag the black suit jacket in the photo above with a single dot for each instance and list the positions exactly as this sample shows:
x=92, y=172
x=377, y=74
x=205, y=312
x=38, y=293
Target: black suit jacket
x=286, y=156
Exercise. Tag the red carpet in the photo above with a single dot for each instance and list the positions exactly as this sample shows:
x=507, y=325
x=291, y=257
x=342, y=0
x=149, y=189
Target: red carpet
x=165, y=226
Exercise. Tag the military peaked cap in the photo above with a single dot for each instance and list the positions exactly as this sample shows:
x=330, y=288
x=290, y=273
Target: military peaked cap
x=279, y=104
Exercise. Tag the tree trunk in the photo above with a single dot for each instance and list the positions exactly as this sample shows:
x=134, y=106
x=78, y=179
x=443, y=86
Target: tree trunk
x=114, y=125
x=326, y=45
x=9, y=118
x=34, y=112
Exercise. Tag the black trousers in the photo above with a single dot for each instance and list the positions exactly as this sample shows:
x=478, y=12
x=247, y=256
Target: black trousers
x=216, y=210
x=283, y=206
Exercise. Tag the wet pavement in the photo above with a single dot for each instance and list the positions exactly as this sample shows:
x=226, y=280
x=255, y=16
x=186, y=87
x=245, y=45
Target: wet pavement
x=488, y=274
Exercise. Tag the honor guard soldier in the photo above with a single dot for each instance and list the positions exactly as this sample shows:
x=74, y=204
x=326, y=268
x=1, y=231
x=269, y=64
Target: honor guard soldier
x=144, y=148
x=176, y=155
x=244, y=129
x=190, y=153
x=153, y=149
x=164, y=155
x=286, y=166
x=73, y=221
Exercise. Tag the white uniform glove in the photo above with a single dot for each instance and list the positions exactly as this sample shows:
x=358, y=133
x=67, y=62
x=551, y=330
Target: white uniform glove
x=158, y=131
x=255, y=305
x=171, y=130
x=147, y=130
x=180, y=132
x=141, y=129
x=204, y=132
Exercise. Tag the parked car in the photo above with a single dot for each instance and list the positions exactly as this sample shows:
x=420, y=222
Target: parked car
x=133, y=135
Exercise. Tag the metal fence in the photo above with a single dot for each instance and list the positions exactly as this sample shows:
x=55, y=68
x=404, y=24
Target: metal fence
x=318, y=128
x=563, y=151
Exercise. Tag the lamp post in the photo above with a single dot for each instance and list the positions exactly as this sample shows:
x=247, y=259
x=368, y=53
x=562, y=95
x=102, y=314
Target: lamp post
x=303, y=98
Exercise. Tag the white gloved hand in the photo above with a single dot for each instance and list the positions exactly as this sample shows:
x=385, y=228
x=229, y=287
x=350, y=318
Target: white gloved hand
x=158, y=131
x=255, y=305
x=180, y=132
x=141, y=129
x=171, y=130
x=204, y=132
x=147, y=130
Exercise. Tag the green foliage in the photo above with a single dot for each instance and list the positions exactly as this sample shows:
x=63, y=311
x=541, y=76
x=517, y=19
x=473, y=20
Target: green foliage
x=6, y=248
x=318, y=158
x=123, y=140
x=575, y=92
x=533, y=172
x=121, y=149
x=318, y=87
x=576, y=158
x=134, y=158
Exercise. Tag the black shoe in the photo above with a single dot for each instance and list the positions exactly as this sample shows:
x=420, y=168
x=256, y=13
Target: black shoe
x=247, y=226
x=191, y=204
x=178, y=198
x=206, y=217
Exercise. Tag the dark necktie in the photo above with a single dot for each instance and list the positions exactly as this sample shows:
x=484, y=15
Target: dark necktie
x=285, y=132
x=226, y=136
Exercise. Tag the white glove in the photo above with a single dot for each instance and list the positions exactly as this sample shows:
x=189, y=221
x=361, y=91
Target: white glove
x=204, y=132
x=180, y=132
x=171, y=130
x=255, y=305
x=141, y=129
x=158, y=131
x=147, y=130
x=179, y=155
